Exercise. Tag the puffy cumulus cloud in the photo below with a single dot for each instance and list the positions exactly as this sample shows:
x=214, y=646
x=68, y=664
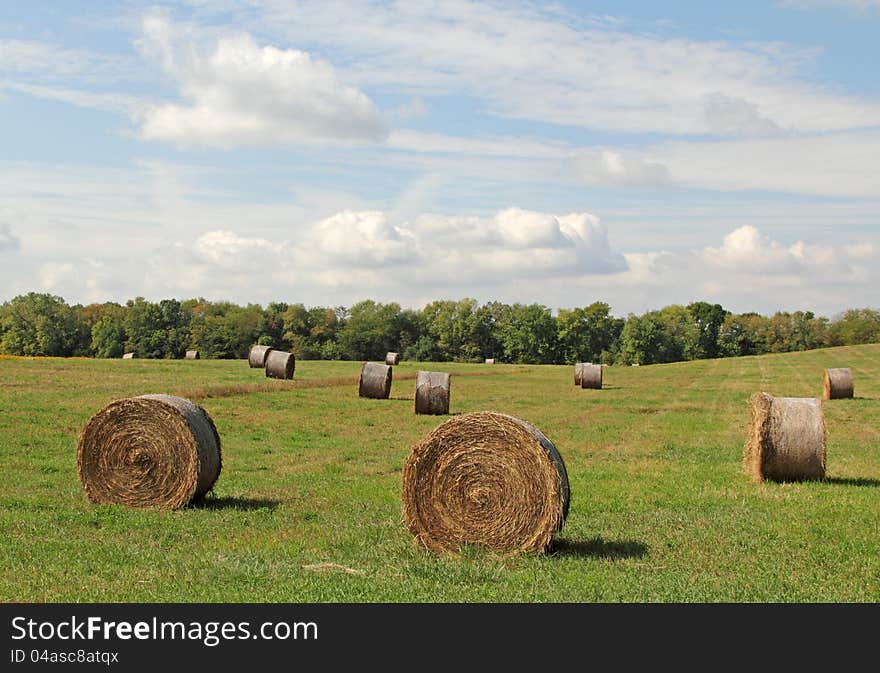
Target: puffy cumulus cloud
x=240, y=93
x=361, y=239
x=752, y=271
x=352, y=254
x=8, y=240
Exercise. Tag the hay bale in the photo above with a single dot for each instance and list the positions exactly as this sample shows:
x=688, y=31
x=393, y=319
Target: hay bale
x=191, y=355
x=786, y=439
x=392, y=358
x=490, y=361
x=150, y=451
x=257, y=356
x=128, y=356
x=488, y=479
x=578, y=372
x=591, y=376
x=432, y=392
x=375, y=381
x=838, y=383
x=280, y=364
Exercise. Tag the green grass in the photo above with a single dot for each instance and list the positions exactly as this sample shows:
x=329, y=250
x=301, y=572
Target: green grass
x=308, y=509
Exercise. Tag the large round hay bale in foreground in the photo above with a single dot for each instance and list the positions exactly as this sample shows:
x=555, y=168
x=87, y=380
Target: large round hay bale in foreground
x=375, y=381
x=838, y=383
x=257, y=356
x=150, y=451
x=786, y=439
x=591, y=376
x=578, y=372
x=432, y=392
x=392, y=358
x=280, y=365
x=191, y=355
x=487, y=479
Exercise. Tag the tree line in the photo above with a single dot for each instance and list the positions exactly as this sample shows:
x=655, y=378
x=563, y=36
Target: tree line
x=464, y=330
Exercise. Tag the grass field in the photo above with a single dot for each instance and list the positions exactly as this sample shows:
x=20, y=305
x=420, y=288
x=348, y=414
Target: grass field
x=308, y=508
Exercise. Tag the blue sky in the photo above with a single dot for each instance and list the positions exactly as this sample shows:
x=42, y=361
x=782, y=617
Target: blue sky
x=640, y=153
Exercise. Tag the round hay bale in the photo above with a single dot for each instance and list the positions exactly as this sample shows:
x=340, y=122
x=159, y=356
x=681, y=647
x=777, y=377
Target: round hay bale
x=150, y=451
x=485, y=478
x=578, y=372
x=490, y=361
x=591, y=376
x=786, y=439
x=257, y=356
x=375, y=381
x=191, y=355
x=280, y=364
x=392, y=358
x=432, y=392
x=128, y=356
x=838, y=383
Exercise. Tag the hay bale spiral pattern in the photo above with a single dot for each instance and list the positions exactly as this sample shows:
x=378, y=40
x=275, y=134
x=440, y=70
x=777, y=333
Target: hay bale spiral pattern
x=838, y=383
x=432, y=392
x=786, y=439
x=375, y=381
x=280, y=365
x=488, y=479
x=151, y=451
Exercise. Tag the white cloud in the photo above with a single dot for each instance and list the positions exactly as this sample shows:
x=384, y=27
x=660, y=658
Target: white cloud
x=52, y=61
x=240, y=93
x=8, y=240
x=526, y=62
x=620, y=169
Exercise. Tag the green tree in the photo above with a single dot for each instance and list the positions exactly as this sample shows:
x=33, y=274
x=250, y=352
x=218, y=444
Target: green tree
x=108, y=334
x=708, y=319
x=528, y=334
x=855, y=326
x=40, y=324
x=585, y=334
x=371, y=330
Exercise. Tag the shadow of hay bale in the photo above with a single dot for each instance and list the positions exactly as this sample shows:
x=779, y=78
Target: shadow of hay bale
x=598, y=548
x=853, y=481
x=233, y=502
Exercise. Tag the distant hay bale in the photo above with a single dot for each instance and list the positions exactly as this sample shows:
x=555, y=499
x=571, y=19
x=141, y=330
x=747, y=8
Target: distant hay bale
x=578, y=372
x=591, y=376
x=191, y=355
x=786, y=439
x=149, y=451
x=487, y=479
x=375, y=381
x=129, y=356
x=490, y=361
x=257, y=356
x=432, y=392
x=392, y=358
x=838, y=383
x=280, y=364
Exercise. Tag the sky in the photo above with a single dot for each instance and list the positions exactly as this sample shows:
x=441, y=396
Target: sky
x=560, y=153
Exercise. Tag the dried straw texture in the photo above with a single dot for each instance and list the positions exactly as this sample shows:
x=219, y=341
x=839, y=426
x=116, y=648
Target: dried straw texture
x=191, y=355
x=591, y=376
x=128, y=356
x=432, y=392
x=490, y=361
x=280, y=365
x=150, y=451
x=392, y=358
x=257, y=356
x=488, y=479
x=578, y=372
x=375, y=381
x=838, y=383
x=786, y=439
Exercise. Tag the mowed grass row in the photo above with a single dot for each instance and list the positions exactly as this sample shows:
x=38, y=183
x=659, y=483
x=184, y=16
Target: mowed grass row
x=308, y=505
